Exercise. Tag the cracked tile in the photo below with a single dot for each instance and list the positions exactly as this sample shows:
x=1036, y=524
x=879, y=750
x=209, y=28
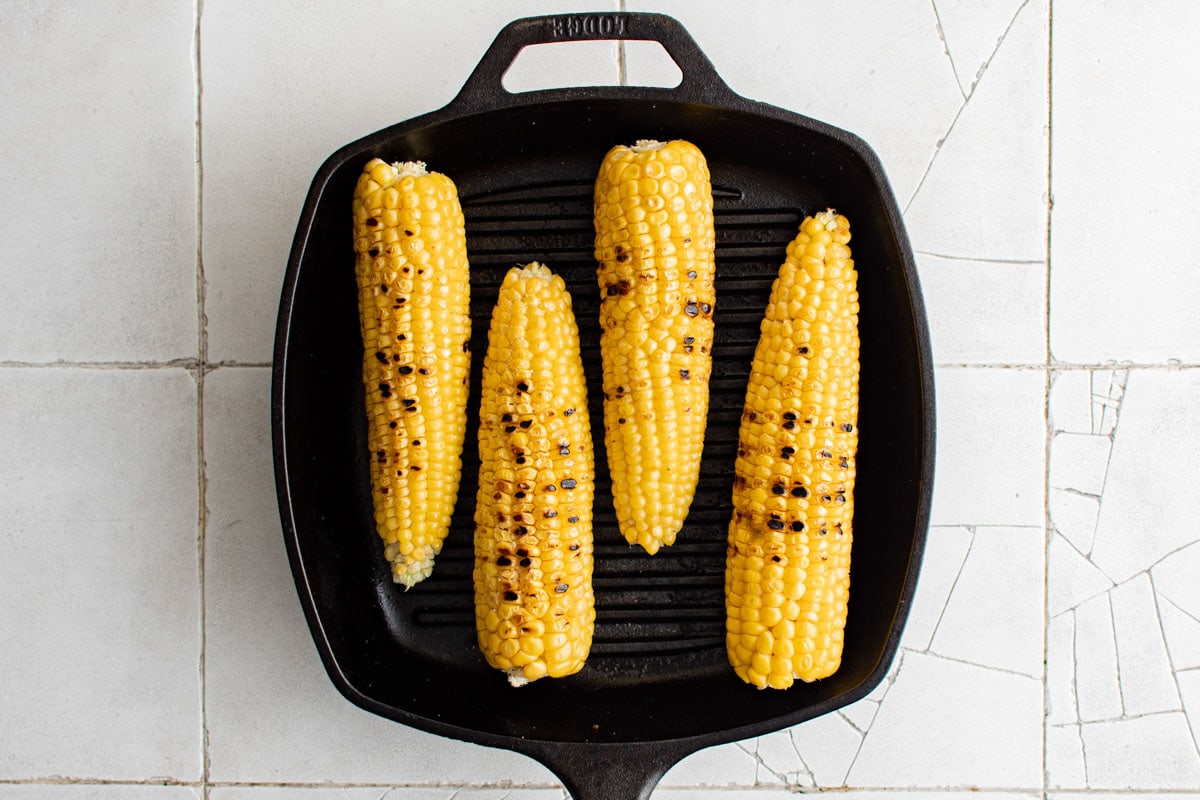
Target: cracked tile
x=1074, y=516
x=1079, y=462
x=1154, y=752
x=1147, y=683
x=1070, y=401
x=723, y=765
x=991, y=436
x=1150, y=487
x=894, y=86
x=1061, y=706
x=1064, y=757
x=780, y=762
x=972, y=31
x=921, y=737
x=1182, y=633
x=1097, y=682
x=1175, y=579
x=1189, y=692
x=1108, y=390
x=1117, y=147
x=827, y=746
x=993, y=617
x=945, y=551
x=860, y=715
x=984, y=312
x=1113, y=655
x=983, y=196
x=1072, y=578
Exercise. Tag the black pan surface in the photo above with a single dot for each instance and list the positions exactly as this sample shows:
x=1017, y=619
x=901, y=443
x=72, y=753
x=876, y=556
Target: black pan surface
x=657, y=686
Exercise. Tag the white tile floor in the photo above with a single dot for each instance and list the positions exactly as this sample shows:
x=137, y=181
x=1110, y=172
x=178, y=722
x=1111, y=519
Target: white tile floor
x=154, y=647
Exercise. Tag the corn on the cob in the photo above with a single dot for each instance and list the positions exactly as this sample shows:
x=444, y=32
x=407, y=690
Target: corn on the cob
x=534, y=610
x=787, y=576
x=414, y=293
x=654, y=244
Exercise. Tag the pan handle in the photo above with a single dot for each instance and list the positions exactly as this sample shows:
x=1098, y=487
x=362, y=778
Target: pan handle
x=484, y=88
x=608, y=771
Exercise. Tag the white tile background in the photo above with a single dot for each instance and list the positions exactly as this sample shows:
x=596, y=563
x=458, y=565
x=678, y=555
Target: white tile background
x=156, y=155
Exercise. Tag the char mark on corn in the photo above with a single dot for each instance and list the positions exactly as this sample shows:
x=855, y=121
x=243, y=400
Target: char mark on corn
x=787, y=576
x=534, y=606
x=654, y=247
x=413, y=299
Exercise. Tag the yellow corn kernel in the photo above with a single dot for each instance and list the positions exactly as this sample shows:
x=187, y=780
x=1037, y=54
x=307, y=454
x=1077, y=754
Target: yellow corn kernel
x=413, y=297
x=788, y=553
x=654, y=245
x=533, y=513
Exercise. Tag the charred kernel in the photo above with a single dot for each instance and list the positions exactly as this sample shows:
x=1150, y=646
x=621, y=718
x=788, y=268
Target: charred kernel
x=573, y=519
x=691, y=274
x=824, y=454
x=525, y=423
x=405, y=370
x=524, y=562
x=621, y=421
x=423, y=371
x=416, y=467
x=408, y=232
x=797, y=526
x=847, y=427
x=705, y=308
x=689, y=340
x=573, y=547
x=789, y=415
x=799, y=491
x=844, y=462
x=550, y=487
x=775, y=524
x=520, y=459
x=519, y=495
x=550, y=513
x=409, y=401
x=685, y=374
x=568, y=412
x=384, y=490
x=802, y=350
x=522, y=387
x=564, y=450
x=510, y=428
x=778, y=488
x=372, y=222
x=510, y=597
x=393, y=424
x=568, y=483
x=787, y=452
x=507, y=417
x=776, y=559
x=691, y=309
x=416, y=443
x=560, y=588
x=385, y=389
x=504, y=561
x=790, y=425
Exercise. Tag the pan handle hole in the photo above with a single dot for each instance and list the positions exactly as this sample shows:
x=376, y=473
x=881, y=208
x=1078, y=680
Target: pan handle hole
x=556, y=65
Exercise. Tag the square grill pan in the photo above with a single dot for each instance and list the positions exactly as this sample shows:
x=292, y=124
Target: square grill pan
x=657, y=685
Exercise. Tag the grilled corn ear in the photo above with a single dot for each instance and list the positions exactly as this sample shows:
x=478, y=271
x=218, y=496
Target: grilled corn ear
x=413, y=296
x=534, y=611
x=787, y=576
x=654, y=245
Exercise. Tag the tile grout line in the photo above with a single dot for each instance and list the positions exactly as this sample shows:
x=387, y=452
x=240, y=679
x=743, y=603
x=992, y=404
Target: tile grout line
x=201, y=374
x=1047, y=522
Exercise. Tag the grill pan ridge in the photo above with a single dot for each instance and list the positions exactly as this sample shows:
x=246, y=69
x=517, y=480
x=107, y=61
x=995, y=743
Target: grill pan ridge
x=657, y=685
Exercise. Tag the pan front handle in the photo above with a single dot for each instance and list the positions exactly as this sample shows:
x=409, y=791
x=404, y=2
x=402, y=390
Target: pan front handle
x=608, y=771
x=484, y=88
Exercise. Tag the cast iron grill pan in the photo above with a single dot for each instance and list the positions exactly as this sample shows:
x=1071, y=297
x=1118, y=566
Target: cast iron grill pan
x=657, y=685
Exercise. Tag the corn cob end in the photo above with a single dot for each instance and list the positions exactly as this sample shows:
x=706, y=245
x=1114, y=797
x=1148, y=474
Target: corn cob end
x=411, y=569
